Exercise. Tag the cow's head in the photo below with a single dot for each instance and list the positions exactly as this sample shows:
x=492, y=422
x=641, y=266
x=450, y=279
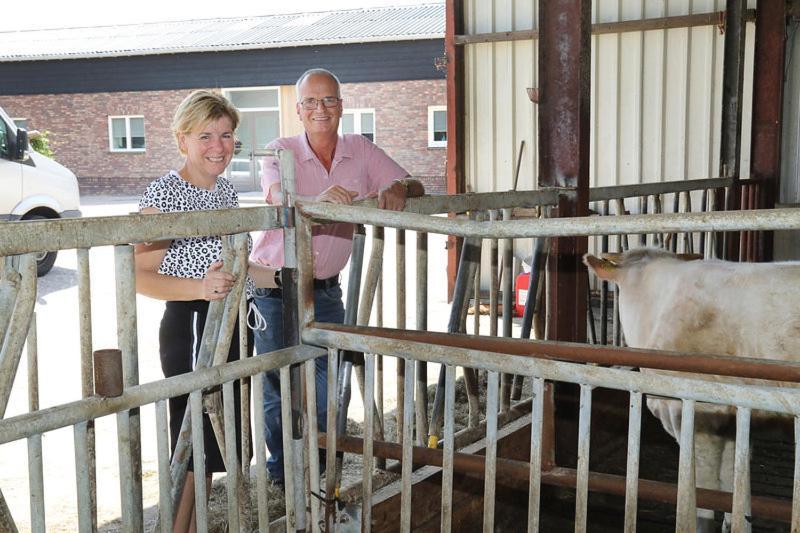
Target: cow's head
x=609, y=266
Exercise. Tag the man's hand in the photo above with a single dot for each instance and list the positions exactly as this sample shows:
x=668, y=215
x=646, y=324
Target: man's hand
x=392, y=197
x=336, y=194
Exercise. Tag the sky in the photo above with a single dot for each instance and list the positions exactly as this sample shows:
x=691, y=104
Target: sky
x=79, y=13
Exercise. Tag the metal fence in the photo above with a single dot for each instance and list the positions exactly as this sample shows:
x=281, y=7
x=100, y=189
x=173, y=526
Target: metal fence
x=422, y=440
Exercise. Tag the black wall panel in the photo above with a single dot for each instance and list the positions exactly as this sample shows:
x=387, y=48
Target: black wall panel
x=364, y=62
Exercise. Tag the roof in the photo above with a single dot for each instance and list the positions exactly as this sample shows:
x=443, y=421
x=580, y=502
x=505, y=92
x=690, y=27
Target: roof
x=402, y=23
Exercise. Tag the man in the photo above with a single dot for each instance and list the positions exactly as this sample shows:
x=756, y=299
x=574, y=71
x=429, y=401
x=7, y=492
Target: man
x=328, y=168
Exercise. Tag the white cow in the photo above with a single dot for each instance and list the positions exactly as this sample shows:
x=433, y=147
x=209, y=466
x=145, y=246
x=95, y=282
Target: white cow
x=712, y=307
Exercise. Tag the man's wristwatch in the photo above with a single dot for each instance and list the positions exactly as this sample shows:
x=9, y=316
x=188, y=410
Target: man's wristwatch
x=277, y=278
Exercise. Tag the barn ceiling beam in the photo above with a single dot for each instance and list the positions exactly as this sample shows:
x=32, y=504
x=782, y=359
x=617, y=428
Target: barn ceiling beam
x=715, y=18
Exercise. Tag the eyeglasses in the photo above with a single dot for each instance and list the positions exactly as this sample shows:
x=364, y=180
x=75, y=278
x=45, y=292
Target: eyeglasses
x=310, y=104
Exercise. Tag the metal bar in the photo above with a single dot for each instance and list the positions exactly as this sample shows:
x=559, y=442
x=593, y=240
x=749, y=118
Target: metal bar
x=400, y=310
x=312, y=434
x=366, y=483
x=35, y=470
x=741, y=473
x=687, y=501
x=69, y=233
x=125, y=470
x=164, y=478
x=331, y=488
x=199, y=452
x=261, y=454
x=493, y=279
x=81, y=479
x=508, y=308
x=288, y=450
x=632, y=467
x=12, y=344
x=582, y=486
x=604, y=285
x=796, y=484
x=491, y=452
x=87, y=373
x=732, y=88
x=447, y=454
x=762, y=219
x=232, y=478
x=743, y=367
x=535, y=478
x=408, y=442
x=128, y=344
x=421, y=404
x=67, y=414
x=483, y=354
x=601, y=28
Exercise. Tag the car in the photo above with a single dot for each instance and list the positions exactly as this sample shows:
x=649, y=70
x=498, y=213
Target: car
x=34, y=186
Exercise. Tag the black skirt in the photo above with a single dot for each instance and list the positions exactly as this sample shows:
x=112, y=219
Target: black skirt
x=179, y=336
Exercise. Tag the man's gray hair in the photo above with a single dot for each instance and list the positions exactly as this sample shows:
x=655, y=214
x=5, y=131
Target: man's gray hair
x=314, y=72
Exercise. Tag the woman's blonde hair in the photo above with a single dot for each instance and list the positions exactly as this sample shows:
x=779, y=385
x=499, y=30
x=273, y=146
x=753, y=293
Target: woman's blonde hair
x=199, y=108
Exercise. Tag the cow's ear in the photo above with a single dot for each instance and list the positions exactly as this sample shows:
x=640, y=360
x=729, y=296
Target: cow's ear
x=689, y=257
x=603, y=268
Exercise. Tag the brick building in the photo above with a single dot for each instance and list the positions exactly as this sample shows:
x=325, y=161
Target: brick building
x=107, y=94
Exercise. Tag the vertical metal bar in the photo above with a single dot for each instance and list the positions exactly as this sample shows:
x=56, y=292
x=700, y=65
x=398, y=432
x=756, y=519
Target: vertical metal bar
x=400, y=302
x=604, y=287
x=703, y=208
x=313, y=438
x=687, y=502
x=623, y=238
x=632, y=469
x=369, y=390
x=379, y=357
x=261, y=458
x=198, y=454
x=35, y=470
x=508, y=279
x=582, y=487
x=164, y=477
x=125, y=469
x=643, y=200
x=447, y=457
x=408, y=443
x=82, y=481
x=493, y=280
x=476, y=298
x=535, y=483
x=492, y=393
x=87, y=373
x=232, y=479
x=422, y=325
x=126, y=335
x=288, y=450
x=796, y=484
x=330, y=444
x=741, y=472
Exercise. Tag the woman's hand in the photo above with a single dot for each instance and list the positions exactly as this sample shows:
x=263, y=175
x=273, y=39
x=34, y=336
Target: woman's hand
x=216, y=283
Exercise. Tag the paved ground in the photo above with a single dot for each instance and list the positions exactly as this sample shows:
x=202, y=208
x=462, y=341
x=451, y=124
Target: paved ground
x=59, y=371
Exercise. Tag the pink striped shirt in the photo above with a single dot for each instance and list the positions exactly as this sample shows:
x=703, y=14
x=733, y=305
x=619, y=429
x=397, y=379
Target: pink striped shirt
x=358, y=165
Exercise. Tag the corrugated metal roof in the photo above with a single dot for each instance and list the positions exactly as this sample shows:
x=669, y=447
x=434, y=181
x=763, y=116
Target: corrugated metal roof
x=424, y=21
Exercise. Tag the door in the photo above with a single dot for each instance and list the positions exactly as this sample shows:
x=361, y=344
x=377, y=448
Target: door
x=256, y=130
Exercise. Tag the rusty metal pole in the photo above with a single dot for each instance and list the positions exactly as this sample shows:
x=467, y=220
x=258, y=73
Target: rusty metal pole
x=454, y=25
x=768, y=65
x=731, y=128
x=564, y=125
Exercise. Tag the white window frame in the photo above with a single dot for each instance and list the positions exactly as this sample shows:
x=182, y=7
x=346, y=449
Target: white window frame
x=127, y=134
x=431, y=110
x=227, y=94
x=357, y=112
x=14, y=120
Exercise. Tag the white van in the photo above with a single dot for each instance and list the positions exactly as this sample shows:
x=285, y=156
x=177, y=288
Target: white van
x=33, y=186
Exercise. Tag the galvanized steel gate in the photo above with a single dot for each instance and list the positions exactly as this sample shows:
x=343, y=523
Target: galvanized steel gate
x=540, y=361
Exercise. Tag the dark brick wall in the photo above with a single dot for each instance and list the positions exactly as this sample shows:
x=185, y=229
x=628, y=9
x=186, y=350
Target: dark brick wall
x=79, y=131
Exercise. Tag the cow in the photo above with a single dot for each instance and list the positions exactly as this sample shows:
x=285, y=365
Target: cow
x=711, y=307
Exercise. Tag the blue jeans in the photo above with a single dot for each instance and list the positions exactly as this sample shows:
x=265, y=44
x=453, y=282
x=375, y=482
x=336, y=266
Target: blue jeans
x=328, y=307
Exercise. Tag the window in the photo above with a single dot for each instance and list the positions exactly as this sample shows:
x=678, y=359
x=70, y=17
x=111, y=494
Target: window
x=3, y=139
x=126, y=133
x=259, y=111
x=437, y=126
x=358, y=121
x=21, y=123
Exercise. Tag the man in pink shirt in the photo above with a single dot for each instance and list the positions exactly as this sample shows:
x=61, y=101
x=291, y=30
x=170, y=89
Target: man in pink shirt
x=328, y=168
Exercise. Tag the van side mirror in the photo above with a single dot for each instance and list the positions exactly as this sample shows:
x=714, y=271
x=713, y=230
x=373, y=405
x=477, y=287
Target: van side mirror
x=19, y=145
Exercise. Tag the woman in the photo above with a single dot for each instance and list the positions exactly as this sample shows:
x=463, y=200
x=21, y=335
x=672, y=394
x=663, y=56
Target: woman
x=187, y=272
